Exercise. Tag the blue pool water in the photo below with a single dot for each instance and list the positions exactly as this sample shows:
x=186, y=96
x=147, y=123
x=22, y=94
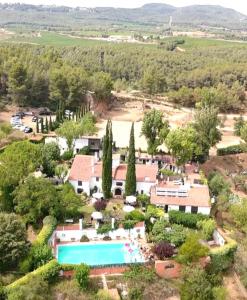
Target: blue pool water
x=99, y=254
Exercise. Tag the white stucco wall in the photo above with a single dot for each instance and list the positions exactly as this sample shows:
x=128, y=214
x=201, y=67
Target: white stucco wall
x=202, y=210
x=85, y=186
x=62, y=143
x=144, y=186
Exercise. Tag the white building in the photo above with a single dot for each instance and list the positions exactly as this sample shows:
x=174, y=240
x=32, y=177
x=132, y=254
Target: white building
x=188, y=195
x=92, y=142
x=86, y=176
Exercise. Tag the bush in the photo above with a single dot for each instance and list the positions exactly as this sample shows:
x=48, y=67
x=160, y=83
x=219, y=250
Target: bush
x=49, y=224
x=135, y=215
x=235, y=149
x=191, y=250
x=103, y=295
x=48, y=272
x=220, y=293
x=143, y=200
x=163, y=250
x=82, y=275
x=85, y=150
x=84, y=239
x=207, y=227
x=68, y=155
x=185, y=219
x=104, y=229
x=218, y=184
x=40, y=254
x=100, y=205
x=135, y=293
x=129, y=224
x=107, y=238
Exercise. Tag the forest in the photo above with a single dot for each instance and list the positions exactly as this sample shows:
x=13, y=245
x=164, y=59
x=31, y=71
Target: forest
x=34, y=75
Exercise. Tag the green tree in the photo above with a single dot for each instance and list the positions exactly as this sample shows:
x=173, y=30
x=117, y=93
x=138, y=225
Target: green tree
x=207, y=227
x=206, y=124
x=182, y=143
x=82, y=276
x=153, y=81
x=5, y=130
x=50, y=154
x=196, y=285
x=243, y=133
x=70, y=202
x=61, y=171
x=40, y=254
x=239, y=214
x=35, y=199
x=239, y=123
x=130, y=185
x=154, y=129
x=107, y=161
x=13, y=241
x=218, y=184
x=69, y=130
x=191, y=250
x=102, y=85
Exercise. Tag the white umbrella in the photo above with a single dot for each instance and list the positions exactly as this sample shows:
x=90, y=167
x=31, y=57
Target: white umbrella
x=131, y=199
x=128, y=208
x=97, y=215
x=98, y=195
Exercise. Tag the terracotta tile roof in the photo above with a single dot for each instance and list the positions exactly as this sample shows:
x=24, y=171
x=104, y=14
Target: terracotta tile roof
x=197, y=196
x=68, y=227
x=84, y=167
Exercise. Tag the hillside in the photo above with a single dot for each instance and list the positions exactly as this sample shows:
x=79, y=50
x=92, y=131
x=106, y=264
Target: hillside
x=149, y=14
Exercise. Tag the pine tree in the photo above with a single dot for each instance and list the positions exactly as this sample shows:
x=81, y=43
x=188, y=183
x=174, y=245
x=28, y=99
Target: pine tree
x=130, y=186
x=46, y=125
x=107, y=162
x=37, y=125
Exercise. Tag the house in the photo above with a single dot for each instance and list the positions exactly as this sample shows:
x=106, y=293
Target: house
x=92, y=142
x=86, y=175
x=188, y=195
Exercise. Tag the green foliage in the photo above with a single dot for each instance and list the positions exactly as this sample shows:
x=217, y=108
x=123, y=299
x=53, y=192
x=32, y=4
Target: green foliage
x=104, y=229
x=239, y=123
x=103, y=295
x=102, y=85
x=155, y=212
x=183, y=144
x=207, y=227
x=154, y=129
x=35, y=199
x=135, y=215
x=5, y=130
x=130, y=184
x=41, y=254
x=239, y=214
x=61, y=171
x=196, y=285
x=140, y=274
x=235, y=149
x=192, y=250
x=84, y=239
x=220, y=293
x=50, y=154
x=129, y=224
x=243, y=133
x=107, y=161
x=153, y=81
x=185, y=219
x=13, y=242
x=82, y=276
x=135, y=294
x=143, y=200
x=218, y=184
x=68, y=155
x=48, y=272
x=49, y=224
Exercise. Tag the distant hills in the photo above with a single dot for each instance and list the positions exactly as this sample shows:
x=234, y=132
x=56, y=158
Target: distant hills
x=154, y=14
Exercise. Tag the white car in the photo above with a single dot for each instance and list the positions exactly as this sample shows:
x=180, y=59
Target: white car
x=18, y=126
x=22, y=128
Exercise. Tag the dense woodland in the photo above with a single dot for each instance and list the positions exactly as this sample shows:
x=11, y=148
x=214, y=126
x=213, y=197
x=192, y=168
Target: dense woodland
x=43, y=76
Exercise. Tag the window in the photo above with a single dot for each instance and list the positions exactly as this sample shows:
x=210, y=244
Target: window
x=119, y=184
x=142, y=192
x=77, y=150
x=79, y=191
x=194, y=209
x=182, y=208
x=97, y=179
x=79, y=183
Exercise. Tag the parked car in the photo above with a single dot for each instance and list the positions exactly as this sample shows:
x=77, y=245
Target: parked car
x=34, y=119
x=28, y=129
x=17, y=126
x=45, y=112
x=20, y=114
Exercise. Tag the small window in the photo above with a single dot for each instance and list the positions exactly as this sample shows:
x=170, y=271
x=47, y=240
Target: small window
x=194, y=209
x=182, y=208
x=79, y=183
x=119, y=184
x=142, y=192
x=97, y=179
x=77, y=150
x=79, y=191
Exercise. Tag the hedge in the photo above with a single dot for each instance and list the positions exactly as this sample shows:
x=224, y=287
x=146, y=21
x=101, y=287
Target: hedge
x=223, y=257
x=185, y=219
x=235, y=149
x=49, y=224
x=48, y=272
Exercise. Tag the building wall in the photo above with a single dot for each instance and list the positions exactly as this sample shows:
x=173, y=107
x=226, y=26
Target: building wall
x=202, y=210
x=144, y=186
x=85, y=186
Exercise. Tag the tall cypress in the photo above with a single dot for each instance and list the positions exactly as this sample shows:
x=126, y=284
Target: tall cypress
x=50, y=124
x=107, y=162
x=46, y=125
x=42, y=125
x=37, y=125
x=130, y=185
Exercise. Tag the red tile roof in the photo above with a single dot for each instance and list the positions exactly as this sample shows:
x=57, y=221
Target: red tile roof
x=197, y=196
x=84, y=167
x=68, y=227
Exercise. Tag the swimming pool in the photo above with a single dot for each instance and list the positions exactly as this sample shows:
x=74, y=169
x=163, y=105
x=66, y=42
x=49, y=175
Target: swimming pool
x=99, y=254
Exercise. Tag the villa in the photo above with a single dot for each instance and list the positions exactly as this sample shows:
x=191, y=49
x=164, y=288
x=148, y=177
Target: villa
x=86, y=176
x=187, y=194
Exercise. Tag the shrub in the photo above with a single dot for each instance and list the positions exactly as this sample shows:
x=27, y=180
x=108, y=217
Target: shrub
x=236, y=149
x=85, y=150
x=191, y=250
x=143, y=200
x=140, y=274
x=129, y=224
x=84, y=239
x=218, y=184
x=100, y=205
x=135, y=215
x=207, y=227
x=185, y=219
x=104, y=229
x=154, y=212
x=135, y=293
x=68, y=155
x=163, y=250
x=107, y=238
x=40, y=254
x=220, y=293
x=103, y=295
x=82, y=275
x=49, y=224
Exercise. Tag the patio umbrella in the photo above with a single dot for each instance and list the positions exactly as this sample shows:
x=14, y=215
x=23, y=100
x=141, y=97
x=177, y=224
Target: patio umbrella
x=98, y=195
x=97, y=215
x=131, y=199
x=128, y=208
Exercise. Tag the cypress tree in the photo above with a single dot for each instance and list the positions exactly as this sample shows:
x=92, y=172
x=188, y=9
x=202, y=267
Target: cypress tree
x=42, y=125
x=37, y=125
x=50, y=124
x=130, y=186
x=46, y=125
x=107, y=162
